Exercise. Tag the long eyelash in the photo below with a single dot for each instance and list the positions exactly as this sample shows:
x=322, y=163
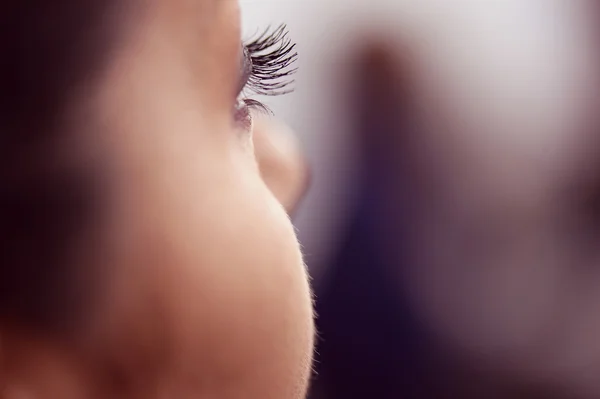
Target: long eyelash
x=257, y=105
x=272, y=54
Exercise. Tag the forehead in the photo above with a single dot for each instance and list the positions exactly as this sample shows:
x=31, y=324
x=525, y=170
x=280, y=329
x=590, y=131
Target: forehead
x=203, y=25
x=205, y=11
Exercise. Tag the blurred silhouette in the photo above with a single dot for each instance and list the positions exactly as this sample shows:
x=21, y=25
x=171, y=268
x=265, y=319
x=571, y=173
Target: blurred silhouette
x=374, y=342
x=370, y=345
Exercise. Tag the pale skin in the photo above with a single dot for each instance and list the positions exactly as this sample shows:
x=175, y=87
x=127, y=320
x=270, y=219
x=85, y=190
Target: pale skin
x=204, y=292
x=281, y=161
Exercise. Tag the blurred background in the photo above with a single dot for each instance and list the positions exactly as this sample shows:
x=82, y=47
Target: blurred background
x=451, y=228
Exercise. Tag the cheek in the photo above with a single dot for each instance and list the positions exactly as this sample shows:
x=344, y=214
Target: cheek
x=258, y=298
x=213, y=287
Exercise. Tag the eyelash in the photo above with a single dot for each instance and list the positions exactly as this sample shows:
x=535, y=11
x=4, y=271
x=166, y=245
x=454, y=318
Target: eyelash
x=271, y=56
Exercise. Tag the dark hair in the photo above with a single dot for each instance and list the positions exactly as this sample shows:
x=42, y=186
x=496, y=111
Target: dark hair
x=50, y=50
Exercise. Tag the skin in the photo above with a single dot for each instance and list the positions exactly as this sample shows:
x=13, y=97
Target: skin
x=281, y=161
x=199, y=286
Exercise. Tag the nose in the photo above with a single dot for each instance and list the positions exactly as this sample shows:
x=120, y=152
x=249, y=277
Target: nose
x=281, y=161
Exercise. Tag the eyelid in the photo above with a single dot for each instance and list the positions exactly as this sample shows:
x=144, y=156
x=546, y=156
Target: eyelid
x=246, y=68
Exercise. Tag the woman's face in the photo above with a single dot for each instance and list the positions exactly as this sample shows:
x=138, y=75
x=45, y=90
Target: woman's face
x=205, y=292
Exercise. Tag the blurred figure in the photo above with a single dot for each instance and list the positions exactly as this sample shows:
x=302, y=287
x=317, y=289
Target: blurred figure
x=469, y=268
